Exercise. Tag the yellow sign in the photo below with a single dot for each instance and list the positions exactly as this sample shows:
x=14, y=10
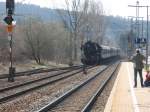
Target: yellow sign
x=9, y=28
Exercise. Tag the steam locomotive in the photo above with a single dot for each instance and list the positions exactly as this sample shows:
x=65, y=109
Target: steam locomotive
x=92, y=53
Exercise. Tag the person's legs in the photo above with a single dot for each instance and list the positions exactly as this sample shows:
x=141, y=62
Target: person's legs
x=141, y=77
x=135, y=77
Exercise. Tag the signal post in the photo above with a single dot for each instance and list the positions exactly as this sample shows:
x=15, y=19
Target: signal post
x=10, y=6
x=11, y=68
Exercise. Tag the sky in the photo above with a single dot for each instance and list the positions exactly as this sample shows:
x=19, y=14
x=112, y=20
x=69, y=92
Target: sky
x=111, y=7
x=121, y=8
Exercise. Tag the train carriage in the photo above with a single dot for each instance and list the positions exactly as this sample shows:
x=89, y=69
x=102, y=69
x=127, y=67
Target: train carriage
x=95, y=54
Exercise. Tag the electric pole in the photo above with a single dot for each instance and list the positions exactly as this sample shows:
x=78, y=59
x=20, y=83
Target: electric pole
x=147, y=39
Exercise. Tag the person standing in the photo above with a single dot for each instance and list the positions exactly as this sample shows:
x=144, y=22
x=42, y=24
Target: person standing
x=83, y=58
x=138, y=67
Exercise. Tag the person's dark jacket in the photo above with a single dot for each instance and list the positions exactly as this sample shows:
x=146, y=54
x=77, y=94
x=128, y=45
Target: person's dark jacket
x=138, y=61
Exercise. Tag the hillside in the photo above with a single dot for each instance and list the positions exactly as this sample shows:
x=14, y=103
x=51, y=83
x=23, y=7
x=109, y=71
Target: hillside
x=115, y=25
x=24, y=10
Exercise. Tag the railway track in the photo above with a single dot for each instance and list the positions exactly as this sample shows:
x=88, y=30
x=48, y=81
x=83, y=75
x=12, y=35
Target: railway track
x=8, y=93
x=37, y=71
x=95, y=99
x=34, y=80
x=35, y=99
x=82, y=96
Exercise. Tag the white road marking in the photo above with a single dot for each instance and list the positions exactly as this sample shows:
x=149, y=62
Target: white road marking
x=136, y=108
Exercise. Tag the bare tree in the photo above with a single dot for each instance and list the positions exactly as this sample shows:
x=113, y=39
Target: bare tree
x=78, y=15
x=4, y=50
x=74, y=11
x=58, y=39
x=35, y=39
x=95, y=21
x=45, y=41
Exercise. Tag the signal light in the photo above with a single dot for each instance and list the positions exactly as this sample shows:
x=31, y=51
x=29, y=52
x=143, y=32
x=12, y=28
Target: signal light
x=8, y=20
x=9, y=12
x=10, y=6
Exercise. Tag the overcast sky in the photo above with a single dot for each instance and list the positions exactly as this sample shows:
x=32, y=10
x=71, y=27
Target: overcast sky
x=120, y=7
x=111, y=7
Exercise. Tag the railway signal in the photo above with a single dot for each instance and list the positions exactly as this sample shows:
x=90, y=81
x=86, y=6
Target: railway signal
x=10, y=6
x=8, y=20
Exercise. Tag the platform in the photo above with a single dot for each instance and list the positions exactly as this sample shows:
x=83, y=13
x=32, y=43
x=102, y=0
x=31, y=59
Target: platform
x=125, y=98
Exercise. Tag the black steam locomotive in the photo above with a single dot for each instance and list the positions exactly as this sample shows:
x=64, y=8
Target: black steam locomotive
x=92, y=53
